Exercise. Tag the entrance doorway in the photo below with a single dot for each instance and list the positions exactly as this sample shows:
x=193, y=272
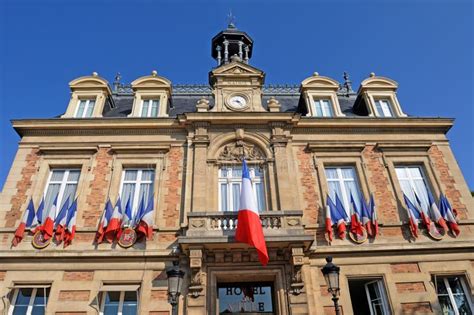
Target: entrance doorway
x=245, y=298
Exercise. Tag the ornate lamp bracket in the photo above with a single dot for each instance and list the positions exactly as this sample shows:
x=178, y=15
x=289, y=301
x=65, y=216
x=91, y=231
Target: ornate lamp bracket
x=195, y=263
x=297, y=261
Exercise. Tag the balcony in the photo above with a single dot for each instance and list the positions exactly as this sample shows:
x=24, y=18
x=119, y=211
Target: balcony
x=219, y=227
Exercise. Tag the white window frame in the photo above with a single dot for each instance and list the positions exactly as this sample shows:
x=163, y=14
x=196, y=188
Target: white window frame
x=387, y=111
x=229, y=180
x=323, y=110
x=383, y=296
x=86, y=107
x=121, y=300
x=450, y=292
x=150, y=102
x=411, y=180
x=63, y=182
x=138, y=182
x=340, y=181
x=11, y=309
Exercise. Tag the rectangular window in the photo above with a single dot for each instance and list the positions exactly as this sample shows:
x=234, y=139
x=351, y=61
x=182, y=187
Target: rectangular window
x=368, y=296
x=242, y=298
x=343, y=182
x=62, y=183
x=453, y=295
x=85, y=108
x=119, y=302
x=137, y=184
x=412, y=180
x=150, y=108
x=29, y=301
x=383, y=108
x=230, y=179
x=323, y=108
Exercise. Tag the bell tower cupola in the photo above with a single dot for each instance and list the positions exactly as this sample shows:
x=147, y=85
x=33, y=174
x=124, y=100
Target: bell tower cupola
x=231, y=44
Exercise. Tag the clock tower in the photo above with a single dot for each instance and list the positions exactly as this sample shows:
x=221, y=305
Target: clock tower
x=236, y=85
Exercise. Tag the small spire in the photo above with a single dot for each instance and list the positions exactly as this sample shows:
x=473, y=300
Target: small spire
x=117, y=79
x=230, y=20
x=347, y=83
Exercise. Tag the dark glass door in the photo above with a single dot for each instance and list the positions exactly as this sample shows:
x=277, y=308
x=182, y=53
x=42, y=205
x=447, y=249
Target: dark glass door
x=246, y=298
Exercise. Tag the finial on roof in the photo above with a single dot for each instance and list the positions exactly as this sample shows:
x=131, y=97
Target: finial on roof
x=230, y=20
x=347, y=83
x=154, y=73
x=372, y=74
x=95, y=74
x=116, y=84
x=315, y=74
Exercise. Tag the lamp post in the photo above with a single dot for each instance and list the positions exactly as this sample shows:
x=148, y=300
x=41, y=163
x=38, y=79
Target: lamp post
x=175, y=280
x=331, y=275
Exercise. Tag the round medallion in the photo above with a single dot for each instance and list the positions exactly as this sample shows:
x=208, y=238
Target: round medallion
x=127, y=238
x=237, y=102
x=358, y=239
x=435, y=233
x=39, y=242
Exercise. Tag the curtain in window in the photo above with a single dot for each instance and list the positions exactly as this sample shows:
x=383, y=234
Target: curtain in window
x=145, y=109
x=154, y=108
x=235, y=197
x=260, y=196
x=81, y=107
x=90, y=109
x=51, y=193
x=224, y=200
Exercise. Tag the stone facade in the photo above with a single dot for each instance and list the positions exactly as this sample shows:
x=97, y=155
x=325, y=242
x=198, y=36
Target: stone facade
x=186, y=151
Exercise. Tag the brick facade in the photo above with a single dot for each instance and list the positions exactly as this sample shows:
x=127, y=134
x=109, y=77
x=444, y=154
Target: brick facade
x=309, y=186
x=417, y=308
x=98, y=186
x=78, y=275
x=74, y=295
x=408, y=287
x=23, y=185
x=405, y=267
x=173, y=186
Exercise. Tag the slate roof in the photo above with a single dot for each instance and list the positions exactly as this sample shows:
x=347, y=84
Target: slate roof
x=184, y=99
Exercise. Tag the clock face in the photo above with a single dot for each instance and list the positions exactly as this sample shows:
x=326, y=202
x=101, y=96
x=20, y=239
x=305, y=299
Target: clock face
x=237, y=102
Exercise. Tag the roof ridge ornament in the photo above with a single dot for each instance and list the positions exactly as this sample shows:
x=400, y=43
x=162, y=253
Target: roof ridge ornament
x=347, y=83
x=231, y=20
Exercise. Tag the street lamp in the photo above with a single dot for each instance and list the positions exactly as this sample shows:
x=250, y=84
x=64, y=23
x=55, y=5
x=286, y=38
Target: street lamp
x=331, y=275
x=175, y=280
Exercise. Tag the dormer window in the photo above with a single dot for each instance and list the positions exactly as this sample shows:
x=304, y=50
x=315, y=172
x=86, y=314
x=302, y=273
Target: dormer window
x=323, y=108
x=383, y=108
x=85, y=108
x=150, y=108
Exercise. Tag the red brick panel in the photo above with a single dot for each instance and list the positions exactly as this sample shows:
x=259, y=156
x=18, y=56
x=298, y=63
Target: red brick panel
x=405, y=267
x=308, y=183
x=324, y=290
x=173, y=184
x=98, y=188
x=416, y=308
x=22, y=186
x=74, y=295
x=2, y=275
x=448, y=181
x=408, y=287
x=159, y=295
x=387, y=210
x=330, y=310
x=78, y=275
x=159, y=313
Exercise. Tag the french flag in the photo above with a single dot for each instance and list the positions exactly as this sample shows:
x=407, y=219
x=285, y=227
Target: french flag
x=413, y=215
x=26, y=222
x=448, y=215
x=330, y=208
x=48, y=225
x=425, y=218
x=341, y=218
x=38, y=218
x=436, y=213
x=249, y=228
x=108, y=211
x=70, y=224
x=356, y=226
x=366, y=218
x=373, y=216
x=145, y=220
x=61, y=222
x=115, y=222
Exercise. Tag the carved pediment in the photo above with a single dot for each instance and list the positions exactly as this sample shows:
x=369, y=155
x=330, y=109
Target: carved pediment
x=237, y=151
x=237, y=67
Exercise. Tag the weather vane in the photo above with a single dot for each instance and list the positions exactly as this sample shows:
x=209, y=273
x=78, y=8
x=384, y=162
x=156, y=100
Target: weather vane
x=231, y=20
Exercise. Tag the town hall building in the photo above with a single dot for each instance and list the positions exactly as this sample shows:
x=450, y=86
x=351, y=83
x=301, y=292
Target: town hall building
x=177, y=151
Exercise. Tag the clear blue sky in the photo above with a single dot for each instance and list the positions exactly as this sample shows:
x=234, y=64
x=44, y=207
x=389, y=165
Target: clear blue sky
x=427, y=46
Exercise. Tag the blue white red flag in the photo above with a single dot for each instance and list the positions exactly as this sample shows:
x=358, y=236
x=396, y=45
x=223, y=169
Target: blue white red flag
x=127, y=219
x=115, y=222
x=413, y=215
x=341, y=219
x=48, y=226
x=38, y=219
x=436, y=214
x=425, y=218
x=366, y=217
x=448, y=215
x=356, y=226
x=330, y=209
x=25, y=222
x=60, y=222
x=70, y=224
x=249, y=228
x=139, y=214
x=145, y=221
x=373, y=216
x=106, y=216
